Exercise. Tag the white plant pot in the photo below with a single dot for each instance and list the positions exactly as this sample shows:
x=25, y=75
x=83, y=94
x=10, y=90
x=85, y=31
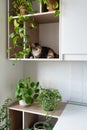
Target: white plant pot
x=37, y=125
x=23, y=103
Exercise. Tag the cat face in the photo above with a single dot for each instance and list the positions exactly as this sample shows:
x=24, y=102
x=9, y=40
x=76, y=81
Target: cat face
x=36, y=49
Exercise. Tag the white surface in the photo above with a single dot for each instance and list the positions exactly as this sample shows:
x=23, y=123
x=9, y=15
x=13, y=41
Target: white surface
x=74, y=117
x=74, y=29
x=9, y=74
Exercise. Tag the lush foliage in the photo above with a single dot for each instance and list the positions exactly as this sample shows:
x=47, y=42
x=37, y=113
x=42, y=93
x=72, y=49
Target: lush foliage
x=4, y=118
x=49, y=99
x=18, y=35
x=27, y=3
x=55, y=6
x=27, y=90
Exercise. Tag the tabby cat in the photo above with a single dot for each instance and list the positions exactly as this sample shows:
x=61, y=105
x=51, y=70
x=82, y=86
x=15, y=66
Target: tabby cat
x=38, y=51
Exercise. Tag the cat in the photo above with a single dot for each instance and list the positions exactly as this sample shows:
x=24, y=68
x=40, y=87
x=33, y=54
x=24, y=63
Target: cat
x=38, y=51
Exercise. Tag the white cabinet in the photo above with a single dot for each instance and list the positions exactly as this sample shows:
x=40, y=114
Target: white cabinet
x=73, y=29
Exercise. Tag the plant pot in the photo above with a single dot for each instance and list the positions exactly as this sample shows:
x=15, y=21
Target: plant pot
x=22, y=10
x=22, y=103
x=48, y=105
x=41, y=125
x=50, y=4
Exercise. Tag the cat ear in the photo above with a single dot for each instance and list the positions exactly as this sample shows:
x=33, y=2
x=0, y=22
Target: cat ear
x=32, y=45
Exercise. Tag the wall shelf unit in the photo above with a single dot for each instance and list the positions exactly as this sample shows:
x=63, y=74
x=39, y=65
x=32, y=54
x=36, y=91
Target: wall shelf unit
x=43, y=19
x=25, y=116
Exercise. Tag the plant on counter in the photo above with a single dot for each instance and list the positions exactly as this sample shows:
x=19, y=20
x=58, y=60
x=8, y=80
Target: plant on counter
x=5, y=122
x=27, y=90
x=49, y=99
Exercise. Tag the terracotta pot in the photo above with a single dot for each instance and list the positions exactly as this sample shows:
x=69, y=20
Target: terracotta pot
x=50, y=4
x=22, y=10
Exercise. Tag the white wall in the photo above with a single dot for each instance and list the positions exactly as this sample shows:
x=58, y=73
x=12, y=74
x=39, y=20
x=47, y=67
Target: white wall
x=9, y=74
x=69, y=77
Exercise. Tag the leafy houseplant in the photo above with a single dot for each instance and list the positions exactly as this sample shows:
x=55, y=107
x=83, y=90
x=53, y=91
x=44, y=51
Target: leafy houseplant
x=42, y=126
x=4, y=118
x=27, y=90
x=22, y=7
x=49, y=99
x=51, y=5
x=20, y=39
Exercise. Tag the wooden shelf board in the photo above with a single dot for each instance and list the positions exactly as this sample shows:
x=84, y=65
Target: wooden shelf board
x=45, y=17
x=37, y=59
x=36, y=109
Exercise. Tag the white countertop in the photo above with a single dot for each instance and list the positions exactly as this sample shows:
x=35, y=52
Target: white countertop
x=74, y=117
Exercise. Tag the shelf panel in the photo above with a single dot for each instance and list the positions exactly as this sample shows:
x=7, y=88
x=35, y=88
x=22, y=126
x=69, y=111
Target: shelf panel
x=36, y=109
x=45, y=17
x=36, y=59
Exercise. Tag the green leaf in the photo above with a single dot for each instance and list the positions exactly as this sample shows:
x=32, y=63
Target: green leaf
x=33, y=25
x=55, y=5
x=21, y=30
x=11, y=35
x=32, y=84
x=16, y=24
x=35, y=96
x=27, y=79
x=29, y=100
x=26, y=51
x=10, y=19
x=57, y=12
x=15, y=40
x=29, y=91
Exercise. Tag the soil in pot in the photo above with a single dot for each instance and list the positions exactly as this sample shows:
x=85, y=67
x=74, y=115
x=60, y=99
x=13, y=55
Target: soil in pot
x=41, y=125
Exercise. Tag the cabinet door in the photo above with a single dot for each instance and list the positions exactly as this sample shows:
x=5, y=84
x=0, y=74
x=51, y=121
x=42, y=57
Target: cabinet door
x=74, y=29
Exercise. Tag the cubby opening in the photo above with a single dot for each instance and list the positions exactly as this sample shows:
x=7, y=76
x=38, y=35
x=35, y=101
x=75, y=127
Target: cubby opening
x=46, y=33
x=30, y=119
x=16, y=120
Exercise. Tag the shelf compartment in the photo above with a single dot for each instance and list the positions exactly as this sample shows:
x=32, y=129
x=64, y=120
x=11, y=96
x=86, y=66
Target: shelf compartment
x=16, y=120
x=30, y=119
x=25, y=116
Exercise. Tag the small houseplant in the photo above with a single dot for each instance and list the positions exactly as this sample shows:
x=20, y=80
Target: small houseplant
x=42, y=126
x=26, y=90
x=49, y=99
x=51, y=5
x=22, y=7
x=4, y=117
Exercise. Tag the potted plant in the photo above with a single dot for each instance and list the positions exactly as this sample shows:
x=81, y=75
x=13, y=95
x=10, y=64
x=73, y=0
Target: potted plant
x=4, y=117
x=49, y=99
x=42, y=126
x=22, y=7
x=51, y=5
x=26, y=91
